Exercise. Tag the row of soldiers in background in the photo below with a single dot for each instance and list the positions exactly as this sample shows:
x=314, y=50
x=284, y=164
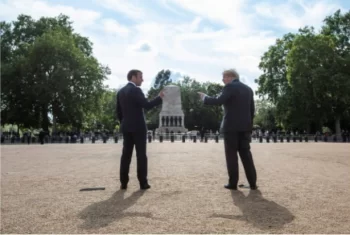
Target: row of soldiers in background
x=183, y=136
x=14, y=137
x=200, y=135
x=57, y=137
x=345, y=134
x=265, y=133
x=258, y=134
x=73, y=137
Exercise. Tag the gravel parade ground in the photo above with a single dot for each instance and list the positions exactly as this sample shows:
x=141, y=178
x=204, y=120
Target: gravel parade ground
x=303, y=188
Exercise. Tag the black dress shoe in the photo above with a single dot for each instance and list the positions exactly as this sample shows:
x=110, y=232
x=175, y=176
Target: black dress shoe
x=123, y=187
x=231, y=187
x=254, y=187
x=145, y=186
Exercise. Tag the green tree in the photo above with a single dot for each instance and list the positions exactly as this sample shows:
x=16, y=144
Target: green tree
x=308, y=69
x=292, y=93
x=108, y=104
x=313, y=70
x=162, y=79
x=338, y=27
x=306, y=75
x=212, y=114
x=265, y=114
x=191, y=105
x=48, y=69
x=105, y=118
x=274, y=87
x=15, y=108
x=197, y=115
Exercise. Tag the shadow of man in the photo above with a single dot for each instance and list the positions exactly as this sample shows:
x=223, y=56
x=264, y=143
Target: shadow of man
x=101, y=214
x=258, y=211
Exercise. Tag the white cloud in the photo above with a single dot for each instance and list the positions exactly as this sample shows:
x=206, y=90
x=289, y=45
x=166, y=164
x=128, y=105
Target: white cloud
x=82, y=18
x=112, y=26
x=124, y=7
x=195, y=23
x=296, y=14
x=226, y=11
x=142, y=47
x=190, y=47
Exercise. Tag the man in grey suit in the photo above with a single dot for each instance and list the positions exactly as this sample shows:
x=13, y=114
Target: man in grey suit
x=239, y=108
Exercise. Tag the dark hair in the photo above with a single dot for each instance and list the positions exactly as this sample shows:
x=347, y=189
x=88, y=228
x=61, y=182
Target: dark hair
x=133, y=72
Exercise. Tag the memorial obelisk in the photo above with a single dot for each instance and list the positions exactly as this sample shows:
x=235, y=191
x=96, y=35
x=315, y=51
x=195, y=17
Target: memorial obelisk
x=171, y=117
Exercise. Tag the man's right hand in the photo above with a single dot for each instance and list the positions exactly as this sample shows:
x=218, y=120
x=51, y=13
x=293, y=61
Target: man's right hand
x=161, y=94
x=202, y=95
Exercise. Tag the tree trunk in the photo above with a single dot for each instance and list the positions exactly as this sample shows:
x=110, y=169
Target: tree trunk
x=53, y=123
x=45, y=118
x=337, y=128
x=308, y=127
x=55, y=109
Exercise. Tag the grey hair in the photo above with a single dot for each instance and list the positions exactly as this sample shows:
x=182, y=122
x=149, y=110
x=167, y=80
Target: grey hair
x=231, y=73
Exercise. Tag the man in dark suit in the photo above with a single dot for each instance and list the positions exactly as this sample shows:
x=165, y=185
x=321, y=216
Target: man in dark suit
x=131, y=103
x=238, y=101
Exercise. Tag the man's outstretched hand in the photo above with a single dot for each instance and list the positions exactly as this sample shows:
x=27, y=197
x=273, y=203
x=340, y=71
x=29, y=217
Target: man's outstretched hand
x=201, y=95
x=161, y=94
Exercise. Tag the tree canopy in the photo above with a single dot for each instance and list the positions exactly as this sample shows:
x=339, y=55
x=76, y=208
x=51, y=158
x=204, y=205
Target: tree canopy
x=48, y=70
x=306, y=76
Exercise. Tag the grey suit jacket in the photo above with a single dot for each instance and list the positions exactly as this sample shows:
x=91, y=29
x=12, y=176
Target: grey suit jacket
x=239, y=108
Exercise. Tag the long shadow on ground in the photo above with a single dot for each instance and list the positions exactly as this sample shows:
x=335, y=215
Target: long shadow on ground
x=101, y=214
x=258, y=211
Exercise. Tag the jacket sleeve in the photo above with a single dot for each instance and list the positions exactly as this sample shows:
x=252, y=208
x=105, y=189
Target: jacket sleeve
x=225, y=95
x=143, y=102
x=252, y=106
x=119, y=109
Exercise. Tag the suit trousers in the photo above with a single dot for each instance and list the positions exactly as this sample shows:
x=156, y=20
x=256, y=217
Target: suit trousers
x=239, y=142
x=131, y=139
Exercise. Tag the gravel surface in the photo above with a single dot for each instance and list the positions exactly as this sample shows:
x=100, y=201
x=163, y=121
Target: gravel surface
x=303, y=188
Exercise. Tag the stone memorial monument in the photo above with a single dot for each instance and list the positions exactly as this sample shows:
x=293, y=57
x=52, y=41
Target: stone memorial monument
x=171, y=117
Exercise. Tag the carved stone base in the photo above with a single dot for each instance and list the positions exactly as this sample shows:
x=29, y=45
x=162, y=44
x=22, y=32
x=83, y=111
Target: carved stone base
x=171, y=117
x=175, y=129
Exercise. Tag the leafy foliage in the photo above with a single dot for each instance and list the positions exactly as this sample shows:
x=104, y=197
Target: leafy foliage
x=48, y=69
x=306, y=76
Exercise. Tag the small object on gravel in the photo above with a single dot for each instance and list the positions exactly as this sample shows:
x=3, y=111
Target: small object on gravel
x=91, y=189
x=247, y=186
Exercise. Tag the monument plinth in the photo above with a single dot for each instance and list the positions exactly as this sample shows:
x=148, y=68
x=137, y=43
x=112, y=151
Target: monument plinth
x=171, y=117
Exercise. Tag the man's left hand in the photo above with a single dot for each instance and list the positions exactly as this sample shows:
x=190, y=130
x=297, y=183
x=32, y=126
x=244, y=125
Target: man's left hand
x=161, y=94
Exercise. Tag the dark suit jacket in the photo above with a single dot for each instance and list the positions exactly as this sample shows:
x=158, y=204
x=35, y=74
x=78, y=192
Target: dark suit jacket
x=239, y=107
x=131, y=103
